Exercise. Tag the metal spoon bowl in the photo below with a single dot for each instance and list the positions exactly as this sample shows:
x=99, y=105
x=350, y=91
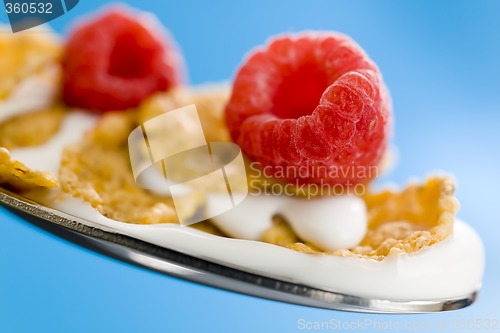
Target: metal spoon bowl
x=180, y=265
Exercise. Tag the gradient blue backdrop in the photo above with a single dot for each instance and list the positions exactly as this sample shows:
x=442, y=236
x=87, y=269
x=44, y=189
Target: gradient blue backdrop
x=440, y=61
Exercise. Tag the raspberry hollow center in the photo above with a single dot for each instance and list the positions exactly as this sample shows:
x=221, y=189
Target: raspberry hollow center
x=299, y=92
x=129, y=59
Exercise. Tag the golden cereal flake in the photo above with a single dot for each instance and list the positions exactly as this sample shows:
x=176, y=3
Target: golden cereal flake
x=101, y=175
x=97, y=169
x=208, y=227
x=31, y=129
x=210, y=101
x=18, y=176
x=24, y=54
x=398, y=222
x=113, y=128
x=280, y=233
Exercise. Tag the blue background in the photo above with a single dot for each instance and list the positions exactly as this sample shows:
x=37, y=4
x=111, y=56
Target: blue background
x=440, y=61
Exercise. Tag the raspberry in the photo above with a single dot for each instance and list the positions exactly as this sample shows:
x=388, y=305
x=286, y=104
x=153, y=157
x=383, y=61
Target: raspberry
x=117, y=59
x=311, y=109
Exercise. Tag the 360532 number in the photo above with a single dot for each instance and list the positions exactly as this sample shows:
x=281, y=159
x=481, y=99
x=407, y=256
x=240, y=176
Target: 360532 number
x=28, y=8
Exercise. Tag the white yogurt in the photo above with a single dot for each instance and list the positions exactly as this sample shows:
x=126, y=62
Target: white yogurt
x=330, y=223
x=249, y=219
x=428, y=274
x=33, y=93
x=47, y=156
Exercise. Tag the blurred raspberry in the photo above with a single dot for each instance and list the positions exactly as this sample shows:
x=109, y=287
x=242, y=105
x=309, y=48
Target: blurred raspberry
x=117, y=59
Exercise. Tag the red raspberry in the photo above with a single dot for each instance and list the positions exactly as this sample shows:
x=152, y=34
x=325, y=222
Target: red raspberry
x=115, y=60
x=311, y=108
